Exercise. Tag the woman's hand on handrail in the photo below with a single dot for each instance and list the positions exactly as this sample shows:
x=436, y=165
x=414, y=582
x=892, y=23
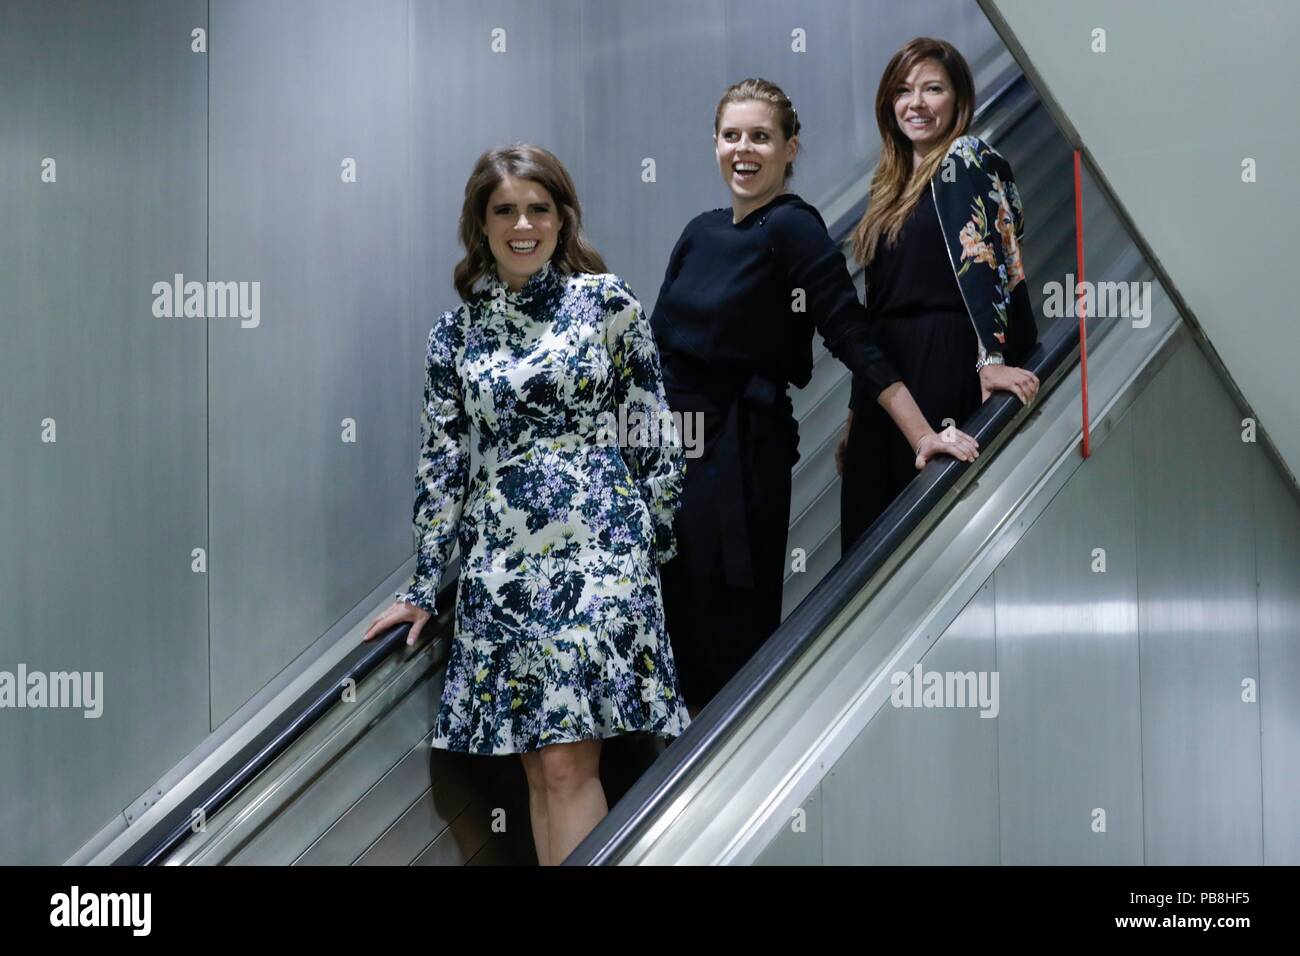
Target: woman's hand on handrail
x=951, y=441
x=395, y=614
x=1007, y=378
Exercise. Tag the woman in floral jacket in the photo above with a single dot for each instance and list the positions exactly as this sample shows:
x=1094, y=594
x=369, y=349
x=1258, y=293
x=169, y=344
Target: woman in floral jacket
x=941, y=242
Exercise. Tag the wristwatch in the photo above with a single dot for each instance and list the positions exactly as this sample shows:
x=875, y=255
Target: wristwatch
x=988, y=358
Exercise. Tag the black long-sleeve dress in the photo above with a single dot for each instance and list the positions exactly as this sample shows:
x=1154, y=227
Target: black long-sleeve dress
x=920, y=323
x=734, y=324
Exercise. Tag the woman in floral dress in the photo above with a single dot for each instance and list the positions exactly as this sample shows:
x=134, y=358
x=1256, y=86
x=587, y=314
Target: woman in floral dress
x=559, y=629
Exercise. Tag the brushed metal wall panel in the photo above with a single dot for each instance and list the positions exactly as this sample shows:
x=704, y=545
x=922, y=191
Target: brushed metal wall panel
x=96, y=529
x=800, y=841
x=1197, y=615
x=920, y=785
x=652, y=75
x=1277, y=549
x=302, y=521
x=1069, y=732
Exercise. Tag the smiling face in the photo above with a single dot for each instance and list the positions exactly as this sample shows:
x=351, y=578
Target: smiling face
x=522, y=226
x=752, y=153
x=923, y=106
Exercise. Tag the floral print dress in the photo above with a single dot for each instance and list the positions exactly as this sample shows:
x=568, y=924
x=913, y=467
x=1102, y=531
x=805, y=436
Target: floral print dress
x=559, y=626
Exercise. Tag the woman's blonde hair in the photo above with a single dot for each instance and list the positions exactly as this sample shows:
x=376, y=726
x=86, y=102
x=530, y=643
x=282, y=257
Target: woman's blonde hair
x=895, y=187
x=787, y=117
x=573, y=253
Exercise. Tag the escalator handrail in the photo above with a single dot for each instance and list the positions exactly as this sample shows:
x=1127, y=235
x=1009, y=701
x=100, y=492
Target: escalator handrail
x=166, y=835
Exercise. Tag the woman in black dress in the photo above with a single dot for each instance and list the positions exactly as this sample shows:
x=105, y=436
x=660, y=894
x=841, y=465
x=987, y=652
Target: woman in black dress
x=918, y=307
x=744, y=289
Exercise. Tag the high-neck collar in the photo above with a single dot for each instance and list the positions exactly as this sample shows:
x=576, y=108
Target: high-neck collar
x=540, y=284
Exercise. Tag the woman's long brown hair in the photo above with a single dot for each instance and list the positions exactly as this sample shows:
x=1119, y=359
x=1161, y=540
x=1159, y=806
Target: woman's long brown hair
x=573, y=253
x=895, y=188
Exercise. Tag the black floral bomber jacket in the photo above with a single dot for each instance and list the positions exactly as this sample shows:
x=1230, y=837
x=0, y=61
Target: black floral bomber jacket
x=983, y=223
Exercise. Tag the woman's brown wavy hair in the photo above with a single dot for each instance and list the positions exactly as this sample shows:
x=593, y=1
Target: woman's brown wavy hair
x=573, y=253
x=895, y=188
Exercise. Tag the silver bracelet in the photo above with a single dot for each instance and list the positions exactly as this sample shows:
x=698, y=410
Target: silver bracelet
x=988, y=358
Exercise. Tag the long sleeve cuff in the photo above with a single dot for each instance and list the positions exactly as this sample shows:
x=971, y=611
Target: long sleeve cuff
x=422, y=597
x=867, y=386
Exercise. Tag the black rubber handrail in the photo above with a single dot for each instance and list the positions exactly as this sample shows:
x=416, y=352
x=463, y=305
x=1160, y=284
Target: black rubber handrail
x=165, y=837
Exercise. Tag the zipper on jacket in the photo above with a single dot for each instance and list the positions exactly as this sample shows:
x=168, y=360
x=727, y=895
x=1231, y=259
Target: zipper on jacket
x=948, y=249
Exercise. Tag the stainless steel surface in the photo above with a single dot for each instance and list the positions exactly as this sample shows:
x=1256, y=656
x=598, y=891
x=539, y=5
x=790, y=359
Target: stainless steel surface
x=919, y=785
x=385, y=719
x=179, y=784
x=279, y=826
x=298, y=517
x=1197, y=614
x=355, y=790
x=460, y=843
x=800, y=841
x=1277, y=553
x=96, y=528
x=1069, y=730
x=426, y=819
x=465, y=97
